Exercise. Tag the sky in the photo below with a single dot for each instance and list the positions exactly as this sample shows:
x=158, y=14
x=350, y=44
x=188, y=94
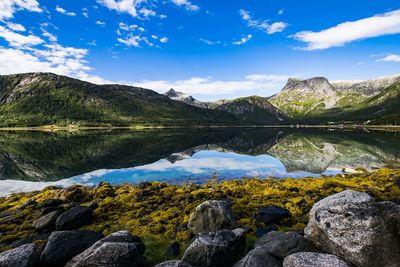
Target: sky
x=211, y=49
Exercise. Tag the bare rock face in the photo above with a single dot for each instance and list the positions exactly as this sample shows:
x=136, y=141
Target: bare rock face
x=354, y=227
x=310, y=259
x=211, y=215
x=119, y=249
x=282, y=245
x=258, y=257
x=216, y=249
x=24, y=256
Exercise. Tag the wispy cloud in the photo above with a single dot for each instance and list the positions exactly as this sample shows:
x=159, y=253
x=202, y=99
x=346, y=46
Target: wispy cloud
x=18, y=40
x=101, y=23
x=9, y=7
x=243, y=40
x=341, y=34
x=15, y=27
x=263, y=84
x=65, y=12
x=264, y=25
x=391, y=58
x=186, y=4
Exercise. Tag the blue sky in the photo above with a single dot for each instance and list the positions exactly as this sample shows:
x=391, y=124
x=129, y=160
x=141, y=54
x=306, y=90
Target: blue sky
x=210, y=49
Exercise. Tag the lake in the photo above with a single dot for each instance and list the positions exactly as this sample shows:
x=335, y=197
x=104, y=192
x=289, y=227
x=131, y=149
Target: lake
x=33, y=160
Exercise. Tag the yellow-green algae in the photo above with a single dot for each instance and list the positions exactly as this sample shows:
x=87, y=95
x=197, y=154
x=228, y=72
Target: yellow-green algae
x=159, y=212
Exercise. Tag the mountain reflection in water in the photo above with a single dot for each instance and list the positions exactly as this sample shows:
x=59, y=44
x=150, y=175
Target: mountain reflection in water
x=33, y=160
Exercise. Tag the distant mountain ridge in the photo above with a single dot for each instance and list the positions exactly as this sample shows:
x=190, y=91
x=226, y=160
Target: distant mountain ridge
x=318, y=99
x=35, y=99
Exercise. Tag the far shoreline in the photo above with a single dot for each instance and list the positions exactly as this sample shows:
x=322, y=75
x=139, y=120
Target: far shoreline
x=71, y=128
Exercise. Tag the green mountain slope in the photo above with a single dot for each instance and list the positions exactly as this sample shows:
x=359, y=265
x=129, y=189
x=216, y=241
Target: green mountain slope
x=34, y=99
x=254, y=109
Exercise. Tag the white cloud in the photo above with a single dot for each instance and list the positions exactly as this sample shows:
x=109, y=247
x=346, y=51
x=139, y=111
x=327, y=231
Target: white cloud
x=341, y=34
x=133, y=40
x=15, y=27
x=9, y=7
x=262, y=84
x=280, y=12
x=18, y=40
x=123, y=6
x=164, y=40
x=187, y=4
x=262, y=25
x=243, y=40
x=85, y=12
x=276, y=27
x=147, y=12
x=391, y=58
x=209, y=42
x=65, y=12
x=101, y=23
x=50, y=36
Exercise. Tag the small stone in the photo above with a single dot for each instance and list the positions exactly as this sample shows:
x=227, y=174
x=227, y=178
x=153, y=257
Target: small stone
x=64, y=245
x=271, y=214
x=216, y=249
x=258, y=257
x=46, y=222
x=211, y=215
x=74, y=218
x=115, y=250
x=311, y=259
x=282, y=245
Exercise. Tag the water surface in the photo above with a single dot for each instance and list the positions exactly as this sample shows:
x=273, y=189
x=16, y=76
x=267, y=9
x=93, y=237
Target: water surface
x=32, y=160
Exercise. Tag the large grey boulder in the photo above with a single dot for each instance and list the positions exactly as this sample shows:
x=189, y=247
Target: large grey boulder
x=23, y=256
x=354, y=227
x=211, y=215
x=311, y=259
x=74, y=218
x=282, y=245
x=216, y=249
x=64, y=245
x=173, y=264
x=258, y=257
x=115, y=250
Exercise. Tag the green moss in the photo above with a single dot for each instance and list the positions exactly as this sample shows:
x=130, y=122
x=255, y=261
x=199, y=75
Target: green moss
x=159, y=212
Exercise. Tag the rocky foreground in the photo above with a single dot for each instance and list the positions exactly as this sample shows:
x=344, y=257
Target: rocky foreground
x=236, y=223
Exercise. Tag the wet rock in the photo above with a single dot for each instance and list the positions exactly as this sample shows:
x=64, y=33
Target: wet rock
x=173, y=250
x=216, y=249
x=46, y=222
x=173, y=264
x=271, y=214
x=29, y=239
x=115, y=250
x=51, y=209
x=74, y=218
x=258, y=257
x=64, y=245
x=282, y=245
x=310, y=259
x=23, y=256
x=211, y=215
x=354, y=227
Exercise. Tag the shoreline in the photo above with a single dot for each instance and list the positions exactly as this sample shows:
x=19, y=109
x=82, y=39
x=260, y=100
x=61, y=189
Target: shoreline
x=159, y=212
x=71, y=128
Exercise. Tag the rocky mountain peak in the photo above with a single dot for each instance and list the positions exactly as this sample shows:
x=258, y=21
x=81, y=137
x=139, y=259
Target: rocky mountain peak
x=313, y=84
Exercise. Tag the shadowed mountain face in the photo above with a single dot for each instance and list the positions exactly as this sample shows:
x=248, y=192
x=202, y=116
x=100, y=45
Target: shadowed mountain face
x=37, y=156
x=34, y=99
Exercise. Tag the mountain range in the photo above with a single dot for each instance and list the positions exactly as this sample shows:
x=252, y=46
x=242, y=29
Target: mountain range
x=35, y=99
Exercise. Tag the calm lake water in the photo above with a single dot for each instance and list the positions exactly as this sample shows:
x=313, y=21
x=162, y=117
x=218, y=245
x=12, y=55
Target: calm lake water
x=33, y=160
